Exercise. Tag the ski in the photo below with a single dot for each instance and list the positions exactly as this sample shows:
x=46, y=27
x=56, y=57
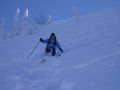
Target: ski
x=42, y=61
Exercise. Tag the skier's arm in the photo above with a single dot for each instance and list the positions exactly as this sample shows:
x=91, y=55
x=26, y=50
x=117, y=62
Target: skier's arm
x=44, y=41
x=58, y=46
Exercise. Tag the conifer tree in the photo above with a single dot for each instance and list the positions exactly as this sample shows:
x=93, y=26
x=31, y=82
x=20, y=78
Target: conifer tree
x=25, y=23
x=3, y=34
x=16, y=24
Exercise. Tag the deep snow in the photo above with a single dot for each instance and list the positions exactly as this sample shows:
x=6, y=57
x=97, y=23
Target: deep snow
x=91, y=60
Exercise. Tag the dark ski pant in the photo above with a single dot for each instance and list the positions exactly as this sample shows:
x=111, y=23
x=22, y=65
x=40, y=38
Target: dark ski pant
x=52, y=50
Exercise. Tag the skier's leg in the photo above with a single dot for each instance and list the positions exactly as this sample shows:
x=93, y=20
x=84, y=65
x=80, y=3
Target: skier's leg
x=53, y=51
x=47, y=51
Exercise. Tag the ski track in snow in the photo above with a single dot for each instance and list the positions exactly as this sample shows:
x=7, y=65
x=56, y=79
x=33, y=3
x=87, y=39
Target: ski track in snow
x=96, y=60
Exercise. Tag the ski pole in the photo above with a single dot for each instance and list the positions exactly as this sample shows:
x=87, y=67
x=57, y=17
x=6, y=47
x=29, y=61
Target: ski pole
x=33, y=50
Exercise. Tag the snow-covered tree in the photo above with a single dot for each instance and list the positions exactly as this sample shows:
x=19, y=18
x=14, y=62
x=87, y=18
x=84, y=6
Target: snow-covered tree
x=26, y=13
x=49, y=19
x=16, y=24
x=41, y=20
x=3, y=34
x=75, y=13
x=25, y=23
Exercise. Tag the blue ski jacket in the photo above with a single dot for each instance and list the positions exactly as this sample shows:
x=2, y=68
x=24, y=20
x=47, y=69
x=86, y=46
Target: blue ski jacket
x=56, y=45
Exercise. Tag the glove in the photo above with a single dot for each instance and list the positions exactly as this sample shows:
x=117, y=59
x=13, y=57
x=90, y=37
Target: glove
x=41, y=39
x=61, y=50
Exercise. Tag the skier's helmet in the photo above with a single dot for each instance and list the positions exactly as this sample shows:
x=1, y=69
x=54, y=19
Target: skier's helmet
x=52, y=34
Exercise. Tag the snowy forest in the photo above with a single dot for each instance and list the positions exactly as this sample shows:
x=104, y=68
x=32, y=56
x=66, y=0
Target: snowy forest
x=23, y=25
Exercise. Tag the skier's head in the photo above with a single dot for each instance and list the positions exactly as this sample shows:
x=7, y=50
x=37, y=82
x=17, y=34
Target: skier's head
x=53, y=36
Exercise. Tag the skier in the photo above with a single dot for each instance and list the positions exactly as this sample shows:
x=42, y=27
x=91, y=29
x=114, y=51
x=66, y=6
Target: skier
x=52, y=43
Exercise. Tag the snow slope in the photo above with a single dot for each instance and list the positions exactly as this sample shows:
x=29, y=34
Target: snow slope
x=91, y=60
